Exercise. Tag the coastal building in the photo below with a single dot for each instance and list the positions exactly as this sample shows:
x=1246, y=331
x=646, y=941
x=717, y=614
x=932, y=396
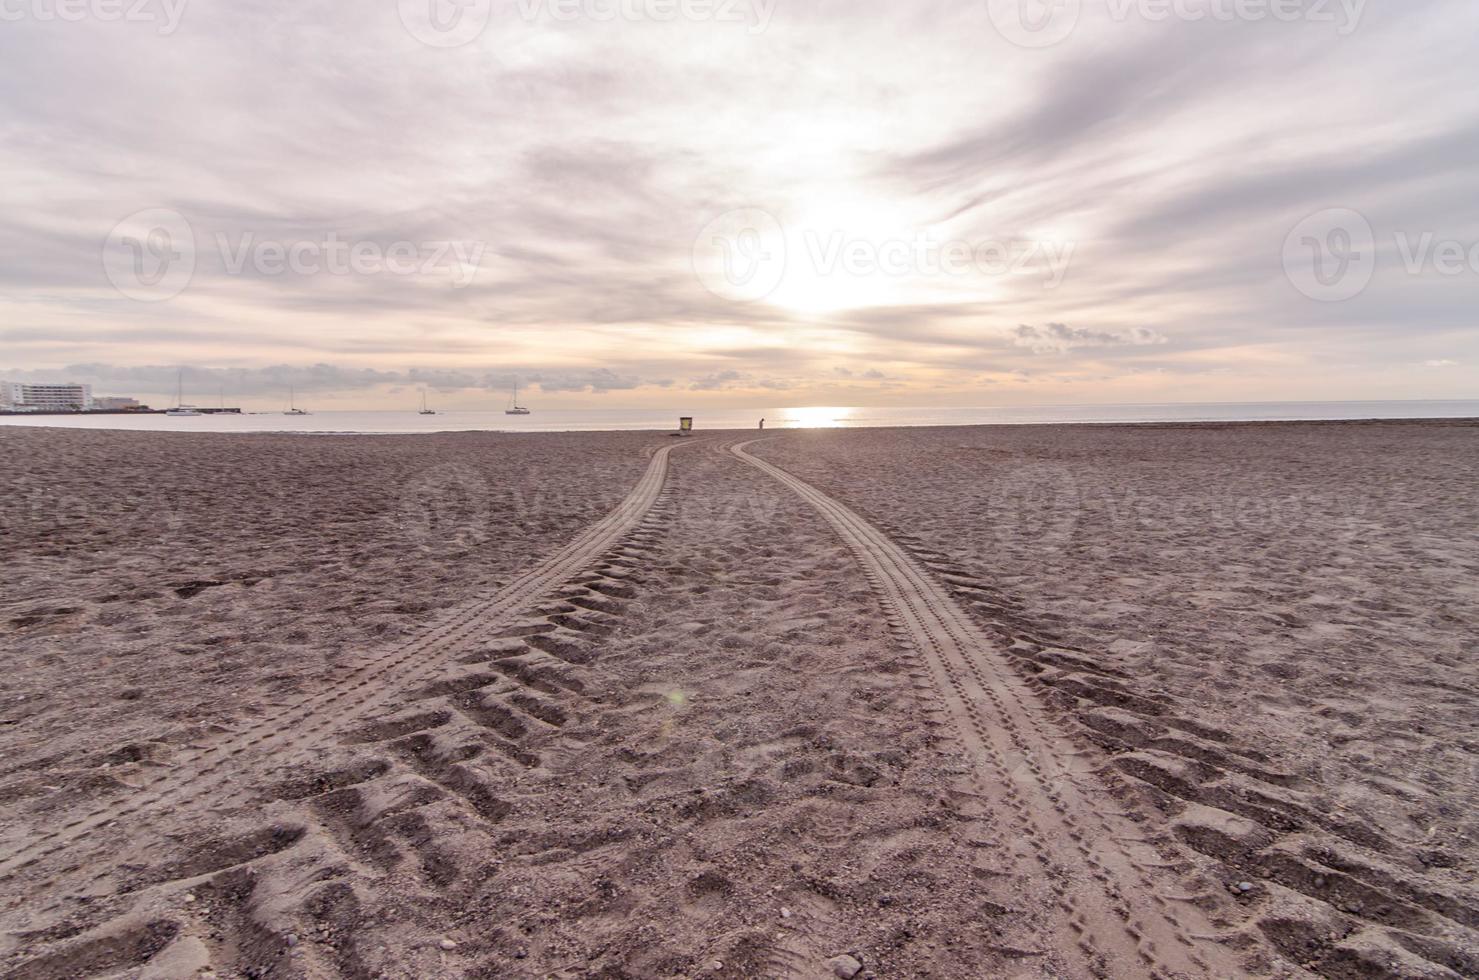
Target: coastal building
x=18, y=396
x=114, y=403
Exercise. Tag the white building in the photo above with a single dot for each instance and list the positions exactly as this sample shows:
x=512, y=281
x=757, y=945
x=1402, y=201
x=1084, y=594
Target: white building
x=113, y=402
x=20, y=397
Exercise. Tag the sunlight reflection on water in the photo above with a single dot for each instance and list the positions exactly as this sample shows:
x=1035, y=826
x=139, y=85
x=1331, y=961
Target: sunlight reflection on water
x=814, y=417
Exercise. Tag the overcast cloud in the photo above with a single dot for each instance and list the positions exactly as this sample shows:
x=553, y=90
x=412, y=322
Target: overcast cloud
x=924, y=207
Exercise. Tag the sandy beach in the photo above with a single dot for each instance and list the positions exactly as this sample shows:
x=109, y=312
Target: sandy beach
x=1037, y=701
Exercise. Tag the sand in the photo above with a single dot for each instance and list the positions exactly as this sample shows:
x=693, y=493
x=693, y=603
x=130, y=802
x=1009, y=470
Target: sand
x=1269, y=629
x=949, y=703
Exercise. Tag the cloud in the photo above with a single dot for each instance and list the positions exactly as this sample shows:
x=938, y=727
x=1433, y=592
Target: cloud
x=597, y=381
x=717, y=381
x=1059, y=338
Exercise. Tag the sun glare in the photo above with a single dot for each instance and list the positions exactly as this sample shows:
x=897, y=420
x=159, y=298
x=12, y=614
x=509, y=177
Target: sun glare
x=816, y=417
x=836, y=255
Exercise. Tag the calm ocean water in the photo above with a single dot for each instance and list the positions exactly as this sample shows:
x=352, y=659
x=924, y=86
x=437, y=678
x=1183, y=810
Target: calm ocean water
x=556, y=420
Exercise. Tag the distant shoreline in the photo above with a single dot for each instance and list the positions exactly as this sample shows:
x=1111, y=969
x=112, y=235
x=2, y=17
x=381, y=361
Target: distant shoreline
x=700, y=430
x=119, y=411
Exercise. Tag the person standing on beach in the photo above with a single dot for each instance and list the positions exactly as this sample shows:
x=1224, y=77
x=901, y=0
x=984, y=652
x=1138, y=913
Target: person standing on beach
x=762, y=425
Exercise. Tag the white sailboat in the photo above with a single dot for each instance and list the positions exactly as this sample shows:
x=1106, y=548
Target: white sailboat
x=424, y=409
x=292, y=408
x=514, y=408
x=180, y=407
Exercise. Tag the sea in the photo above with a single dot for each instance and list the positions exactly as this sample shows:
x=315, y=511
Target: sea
x=776, y=417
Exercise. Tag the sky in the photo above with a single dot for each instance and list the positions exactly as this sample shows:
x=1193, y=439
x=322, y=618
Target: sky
x=741, y=202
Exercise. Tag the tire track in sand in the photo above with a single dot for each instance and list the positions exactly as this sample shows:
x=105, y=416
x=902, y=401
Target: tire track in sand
x=1029, y=782
x=363, y=689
